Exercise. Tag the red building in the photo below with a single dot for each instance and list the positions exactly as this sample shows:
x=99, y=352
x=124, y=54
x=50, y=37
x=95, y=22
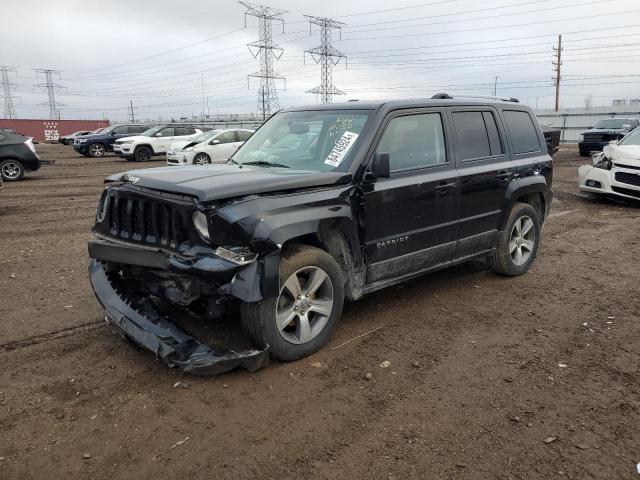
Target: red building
x=50, y=130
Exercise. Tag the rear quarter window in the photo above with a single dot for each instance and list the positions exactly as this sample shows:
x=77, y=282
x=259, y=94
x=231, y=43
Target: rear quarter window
x=524, y=136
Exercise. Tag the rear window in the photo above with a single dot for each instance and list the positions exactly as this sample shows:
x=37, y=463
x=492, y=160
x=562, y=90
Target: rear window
x=478, y=135
x=524, y=135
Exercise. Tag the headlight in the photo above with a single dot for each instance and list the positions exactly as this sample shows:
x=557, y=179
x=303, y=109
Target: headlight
x=29, y=144
x=81, y=140
x=237, y=255
x=126, y=142
x=201, y=224
x=604, y=163
x=190, y=149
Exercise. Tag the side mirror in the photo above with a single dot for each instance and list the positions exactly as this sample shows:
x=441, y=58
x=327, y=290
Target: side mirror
x=214, y=142
x=380, y=167
x=158, y=134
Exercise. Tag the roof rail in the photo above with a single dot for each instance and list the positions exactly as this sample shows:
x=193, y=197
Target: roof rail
x=442, y=96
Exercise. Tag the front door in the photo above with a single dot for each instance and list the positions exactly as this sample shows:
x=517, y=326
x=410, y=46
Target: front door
x=410, y=217
x=222, y=146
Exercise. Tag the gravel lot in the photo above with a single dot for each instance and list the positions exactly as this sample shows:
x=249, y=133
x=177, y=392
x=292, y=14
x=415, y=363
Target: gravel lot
x=523, y=378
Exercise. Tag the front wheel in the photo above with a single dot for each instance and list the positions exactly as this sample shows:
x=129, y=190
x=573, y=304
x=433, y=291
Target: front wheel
x=11, y=170
x=518, y=243
x=201, y=159
x=142, y=154
x=97, y=150
x=300, y=320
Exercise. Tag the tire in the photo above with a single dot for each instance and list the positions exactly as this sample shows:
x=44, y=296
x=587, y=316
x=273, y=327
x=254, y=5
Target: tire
x=11, y=170
x=97, y=150
x=290, y=341
x=584, y=153
x=142, y=154
x=515, y=253
x=201, y=159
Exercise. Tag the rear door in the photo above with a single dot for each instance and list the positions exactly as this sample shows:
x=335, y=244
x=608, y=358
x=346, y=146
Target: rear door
x=410, y=218
x=485, y=169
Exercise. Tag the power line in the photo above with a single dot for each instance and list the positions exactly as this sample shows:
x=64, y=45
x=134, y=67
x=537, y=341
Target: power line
x=327, y=56
x=51, y=88
x=267, y=50
x=7, y=87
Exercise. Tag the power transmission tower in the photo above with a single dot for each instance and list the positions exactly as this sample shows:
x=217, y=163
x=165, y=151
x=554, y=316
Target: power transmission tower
x=267, y=50
x=557, y=64
x=7, y=86
x=327, y=56
x=51, y=87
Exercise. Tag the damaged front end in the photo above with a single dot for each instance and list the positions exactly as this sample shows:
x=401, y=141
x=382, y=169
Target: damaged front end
x=151, y=272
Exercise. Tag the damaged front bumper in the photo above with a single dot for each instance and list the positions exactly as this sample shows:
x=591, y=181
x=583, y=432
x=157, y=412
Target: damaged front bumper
x=154, y=332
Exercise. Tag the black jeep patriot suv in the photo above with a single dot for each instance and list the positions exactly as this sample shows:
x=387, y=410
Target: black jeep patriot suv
x=321, y=204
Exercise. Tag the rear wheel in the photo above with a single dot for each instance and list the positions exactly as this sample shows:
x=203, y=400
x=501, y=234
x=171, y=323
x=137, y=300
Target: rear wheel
x=299, y=321
x=518, y=243
x=97, y=150
x=11, y=170
x=201, y=159
x=143, y=154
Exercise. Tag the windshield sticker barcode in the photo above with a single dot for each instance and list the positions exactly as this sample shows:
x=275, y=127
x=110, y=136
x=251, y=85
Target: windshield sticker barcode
x=341, y=148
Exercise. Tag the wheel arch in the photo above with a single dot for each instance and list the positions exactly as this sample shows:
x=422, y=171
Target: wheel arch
x=337, y=235
x=533, y=191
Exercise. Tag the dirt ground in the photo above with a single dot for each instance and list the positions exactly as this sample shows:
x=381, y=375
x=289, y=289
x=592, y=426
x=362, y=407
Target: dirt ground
x=490, y=377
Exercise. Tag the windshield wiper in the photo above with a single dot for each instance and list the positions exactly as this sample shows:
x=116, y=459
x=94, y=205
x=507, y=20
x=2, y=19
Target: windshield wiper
x=264, y=163
x=232, y=161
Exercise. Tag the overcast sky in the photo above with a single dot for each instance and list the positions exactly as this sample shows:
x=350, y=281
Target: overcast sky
x=160, y=54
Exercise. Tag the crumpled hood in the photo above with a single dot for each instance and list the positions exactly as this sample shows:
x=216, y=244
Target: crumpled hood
x=179, y=145
x=629, y=154
x=215, y=182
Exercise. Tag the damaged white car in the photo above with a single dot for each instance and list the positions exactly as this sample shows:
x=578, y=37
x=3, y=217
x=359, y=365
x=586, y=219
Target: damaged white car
x=616, y=171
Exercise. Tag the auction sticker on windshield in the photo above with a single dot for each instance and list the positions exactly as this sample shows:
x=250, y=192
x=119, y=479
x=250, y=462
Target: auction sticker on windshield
x=341, y=148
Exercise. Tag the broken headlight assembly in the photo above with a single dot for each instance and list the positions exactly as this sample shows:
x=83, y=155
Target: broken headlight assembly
x=201, y=225
x=603, y=163
x=237, y=255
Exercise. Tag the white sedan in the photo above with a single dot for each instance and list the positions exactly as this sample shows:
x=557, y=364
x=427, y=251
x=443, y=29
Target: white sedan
x=615, y=171
x=214, y=146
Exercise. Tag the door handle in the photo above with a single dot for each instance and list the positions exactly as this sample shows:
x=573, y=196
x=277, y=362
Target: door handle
x=444, y=186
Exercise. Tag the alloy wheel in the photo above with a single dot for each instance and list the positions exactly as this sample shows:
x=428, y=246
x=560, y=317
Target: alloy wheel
x=304, y=305
x=97, y=150
x=11, y=170
x=201, y=159
x=522, y=240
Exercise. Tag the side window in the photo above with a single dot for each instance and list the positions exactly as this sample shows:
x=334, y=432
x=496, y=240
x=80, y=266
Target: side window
x=414, y=141
x=166, y=132
x=180, y=131
x=226, y=137
x=524, y=135
x=124, y=130
x=243, y=135
x=495, y=142
x=136, y=129
x=473, y=137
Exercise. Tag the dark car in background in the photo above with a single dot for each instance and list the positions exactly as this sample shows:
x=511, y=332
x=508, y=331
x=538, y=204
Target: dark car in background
x=98, y=144
x=17, y=156
x=552, y=138
x=604, y=132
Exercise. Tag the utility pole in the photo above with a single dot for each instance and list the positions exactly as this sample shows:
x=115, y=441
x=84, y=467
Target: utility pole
x=267, y=50
x=327, y=56
x=557, y=64
x=495, y=87
x=51, y=87
x=131, y=114
x=7, y=87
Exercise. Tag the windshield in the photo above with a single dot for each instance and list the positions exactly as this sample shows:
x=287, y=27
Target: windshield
x=616, y=123
x=151, y=132
x=632, y=138
x=203, y=137
x=320, y=141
